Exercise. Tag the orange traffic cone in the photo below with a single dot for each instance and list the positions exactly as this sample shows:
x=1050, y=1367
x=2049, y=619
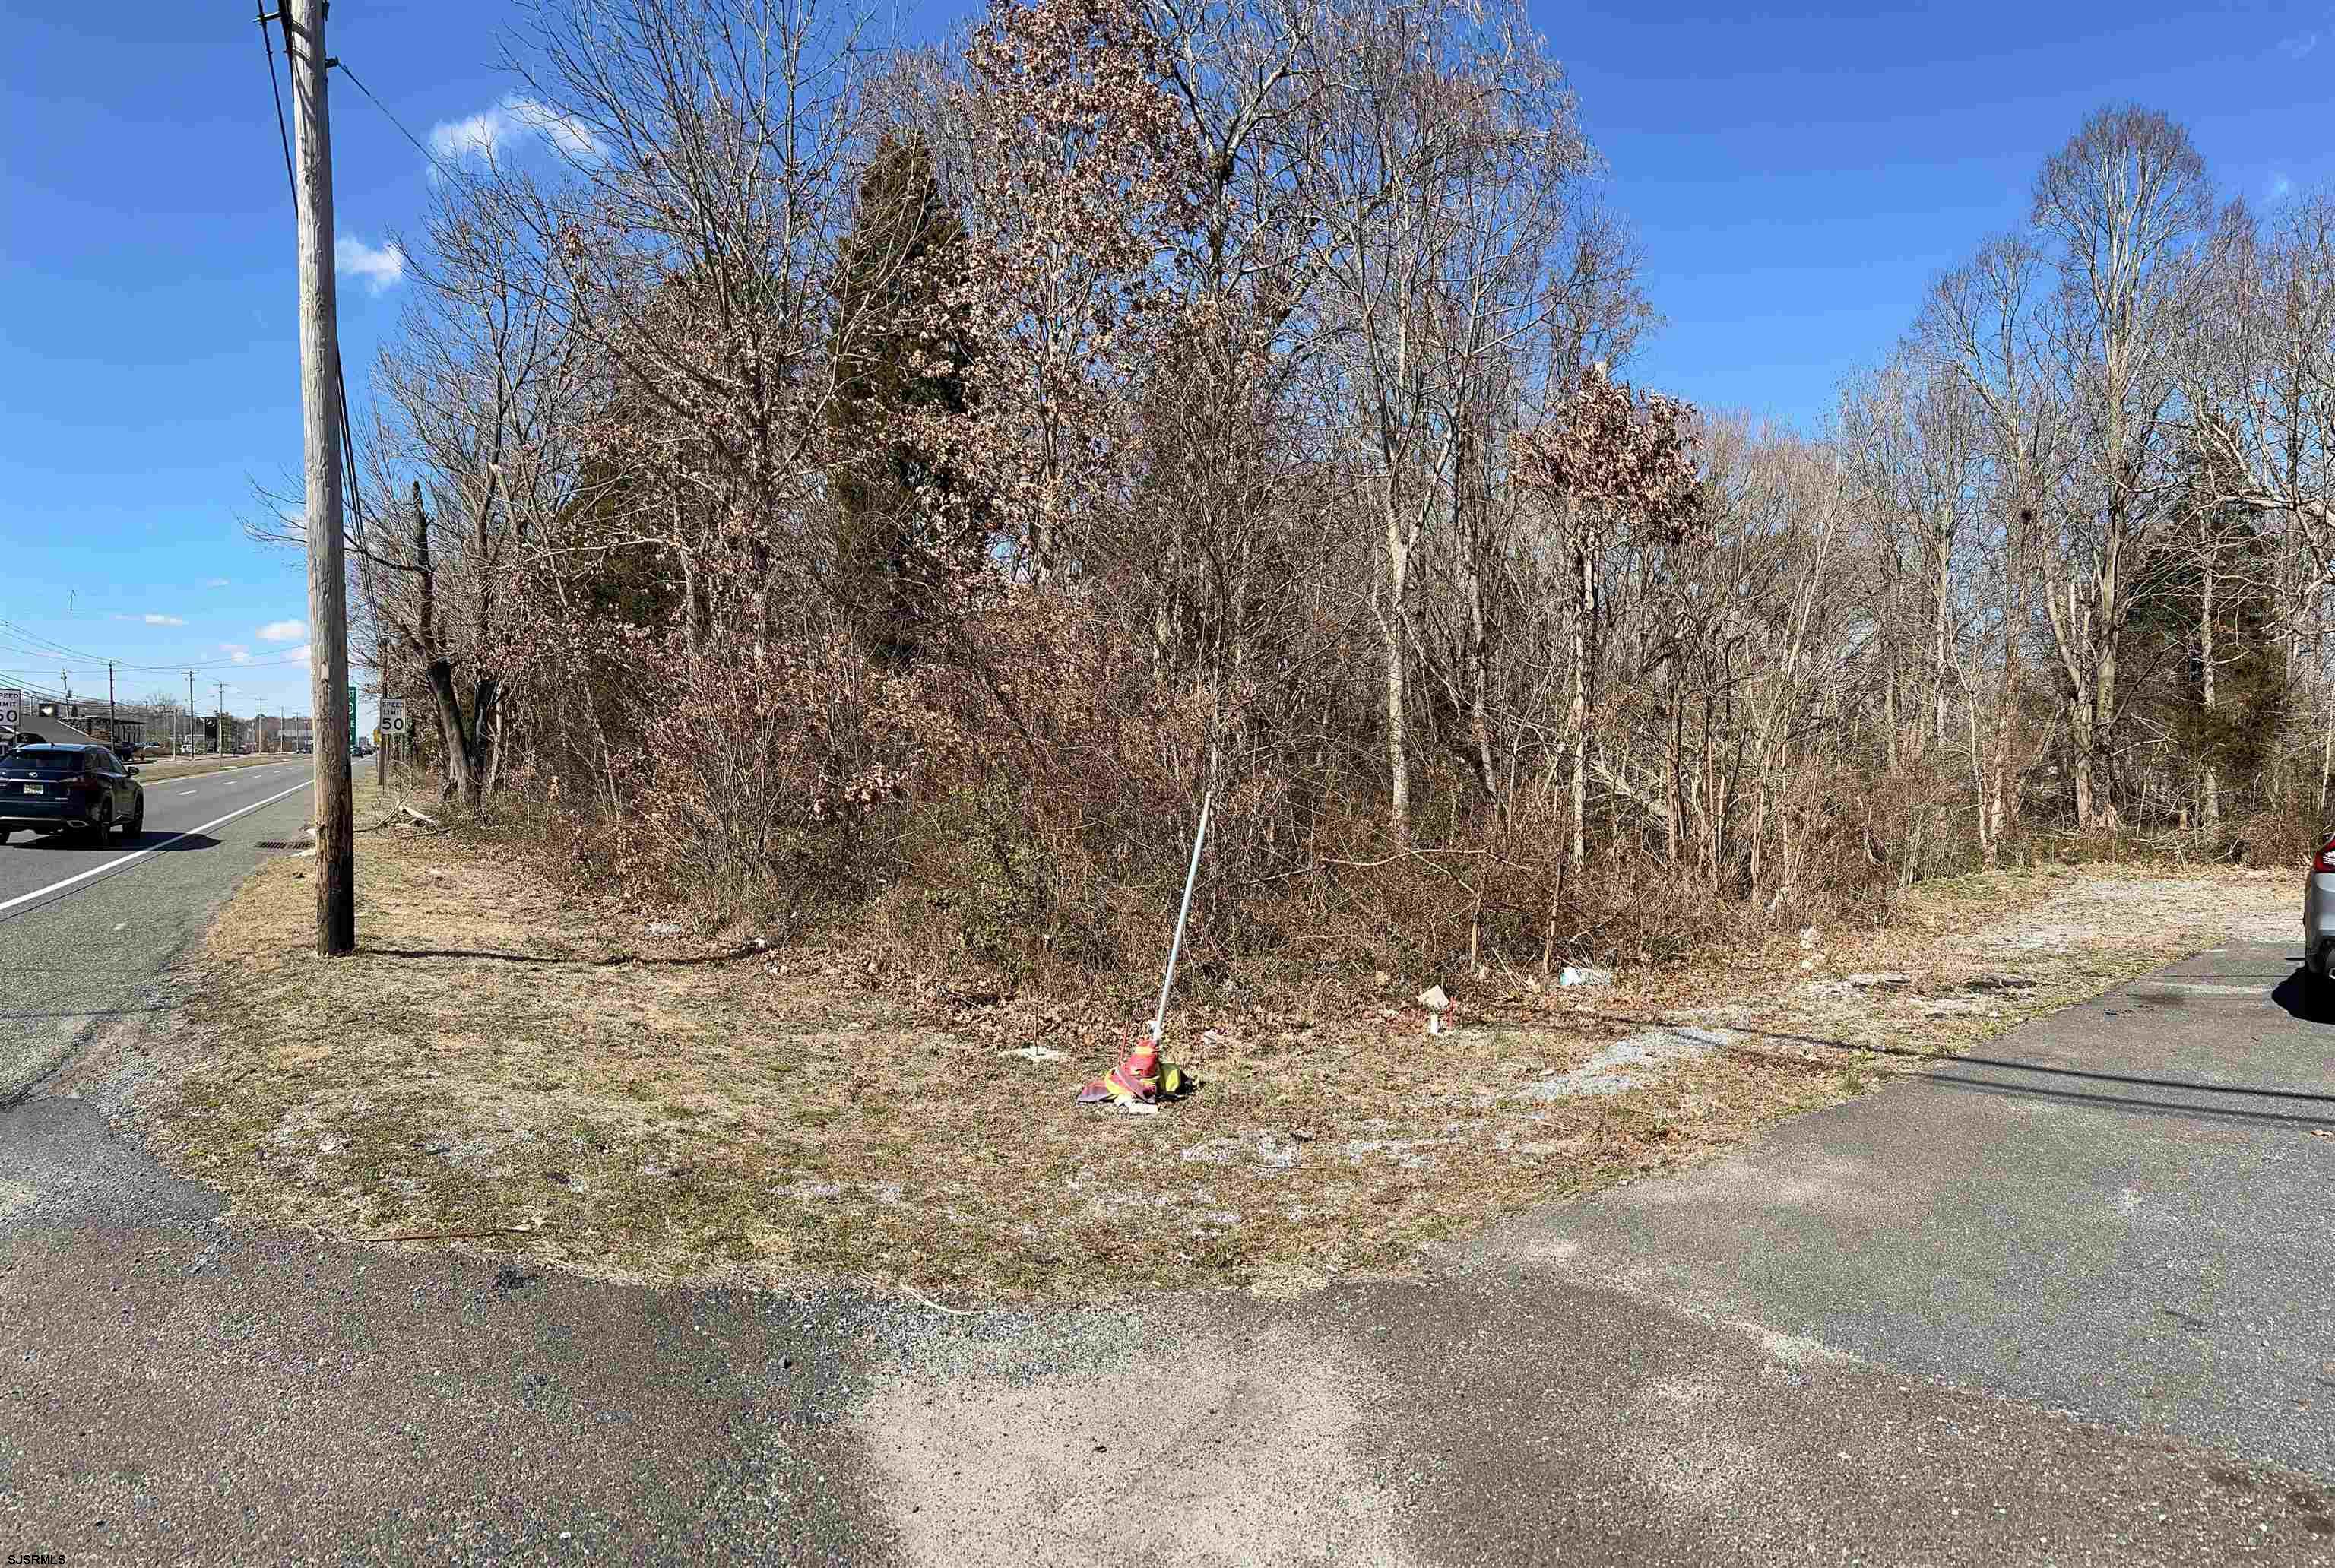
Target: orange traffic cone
x=1140, y=1079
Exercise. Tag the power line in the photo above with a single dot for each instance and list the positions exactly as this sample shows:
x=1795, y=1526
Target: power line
x=343, y=66
x=50, y=645
x=33, y=644
x=283, y=135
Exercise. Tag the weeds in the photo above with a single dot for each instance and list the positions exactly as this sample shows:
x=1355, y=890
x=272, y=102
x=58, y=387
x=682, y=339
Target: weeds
x=722, y=1121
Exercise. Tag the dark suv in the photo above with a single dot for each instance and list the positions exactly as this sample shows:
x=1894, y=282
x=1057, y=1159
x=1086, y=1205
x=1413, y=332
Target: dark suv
x=82, y=789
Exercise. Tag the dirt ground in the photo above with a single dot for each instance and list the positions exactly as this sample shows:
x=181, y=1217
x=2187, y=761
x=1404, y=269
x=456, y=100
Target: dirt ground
x=659, y=1103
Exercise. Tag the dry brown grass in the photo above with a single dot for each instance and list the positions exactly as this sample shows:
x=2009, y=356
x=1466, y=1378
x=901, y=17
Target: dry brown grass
x=187, y=767
x=687, y=1107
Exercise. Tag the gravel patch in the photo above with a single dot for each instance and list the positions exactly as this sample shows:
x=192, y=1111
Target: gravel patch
x=1628, y=1064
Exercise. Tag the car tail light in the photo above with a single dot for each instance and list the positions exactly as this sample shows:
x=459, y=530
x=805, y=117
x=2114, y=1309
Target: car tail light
x=2325, y=859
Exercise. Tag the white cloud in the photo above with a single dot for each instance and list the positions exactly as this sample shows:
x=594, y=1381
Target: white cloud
x=164, y=621
x=215, y=582
x=2301, y=44
x=2280, y=186
x=382, y=267
x=484, y=135
x=237, y=652
x=282, y=631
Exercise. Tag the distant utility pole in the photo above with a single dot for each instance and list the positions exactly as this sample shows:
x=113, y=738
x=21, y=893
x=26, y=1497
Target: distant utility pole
x=112, y=720
x=190, y=709
x=321, y=414
x=219, y=720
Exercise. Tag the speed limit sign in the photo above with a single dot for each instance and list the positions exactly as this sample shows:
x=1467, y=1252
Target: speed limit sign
x=11, y=699
x=392, y=715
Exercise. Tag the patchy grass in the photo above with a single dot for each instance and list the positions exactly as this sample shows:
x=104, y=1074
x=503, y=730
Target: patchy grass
x=684, y=1105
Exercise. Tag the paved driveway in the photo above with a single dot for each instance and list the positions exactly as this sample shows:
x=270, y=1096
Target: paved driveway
x=2128, y=1211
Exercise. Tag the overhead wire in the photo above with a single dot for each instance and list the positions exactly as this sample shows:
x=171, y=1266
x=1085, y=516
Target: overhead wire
x=283, y=132
x=342, y=67
x=350, y=486
x=32, y=644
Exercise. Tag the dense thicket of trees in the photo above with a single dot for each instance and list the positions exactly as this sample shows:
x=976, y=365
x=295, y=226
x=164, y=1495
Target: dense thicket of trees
x=897, y=491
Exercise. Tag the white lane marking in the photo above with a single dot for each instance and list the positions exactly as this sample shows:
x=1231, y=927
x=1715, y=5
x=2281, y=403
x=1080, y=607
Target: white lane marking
x=184, y=793
x=2190, y=988
x=141, y=855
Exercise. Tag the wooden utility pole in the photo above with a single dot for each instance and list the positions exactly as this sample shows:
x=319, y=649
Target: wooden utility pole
x=321, y=413
x=218, y=718
x=114, y=719
x=191, y=710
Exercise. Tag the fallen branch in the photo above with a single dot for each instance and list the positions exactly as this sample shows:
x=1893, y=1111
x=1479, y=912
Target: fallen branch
x=418, y=817
x=460, y=1235
x=952, y=1311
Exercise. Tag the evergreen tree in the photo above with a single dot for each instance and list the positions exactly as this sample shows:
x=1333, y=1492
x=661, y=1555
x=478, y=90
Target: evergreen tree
x=907, y=525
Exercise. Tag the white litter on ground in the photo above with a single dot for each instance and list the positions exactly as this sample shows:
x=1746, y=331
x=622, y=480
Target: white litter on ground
x=1263, y=1150
x=1400, y=1151
x=1627, y=1064
x=804, y=1192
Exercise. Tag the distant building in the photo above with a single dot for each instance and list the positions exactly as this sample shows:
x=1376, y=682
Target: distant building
x=117, y=729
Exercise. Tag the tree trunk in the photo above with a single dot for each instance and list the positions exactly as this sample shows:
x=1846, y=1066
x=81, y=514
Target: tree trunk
x=1677, y=768
x=2080, y=760
x=1889, y=716
x=453, y=732
x=1940, y=648
x=1392, y=625
x=2104, y=696
x=1479, y=683
x=465, y=736
x=1585, y=608
x=2212, y=812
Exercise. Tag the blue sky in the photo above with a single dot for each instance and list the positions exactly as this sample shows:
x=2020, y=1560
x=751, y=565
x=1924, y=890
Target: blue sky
x=1797, y=175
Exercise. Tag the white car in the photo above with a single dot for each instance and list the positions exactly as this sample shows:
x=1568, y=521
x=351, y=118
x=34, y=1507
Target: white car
x=2318, y=914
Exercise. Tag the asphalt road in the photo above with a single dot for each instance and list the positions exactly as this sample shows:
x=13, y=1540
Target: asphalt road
x=2067, y=1305
x=84, y=932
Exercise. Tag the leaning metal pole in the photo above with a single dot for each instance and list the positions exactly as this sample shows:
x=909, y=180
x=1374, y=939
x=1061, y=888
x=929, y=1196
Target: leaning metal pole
x=1160, y=1020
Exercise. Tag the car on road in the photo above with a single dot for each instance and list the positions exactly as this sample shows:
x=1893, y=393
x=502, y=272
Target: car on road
x=2319, y=914
x=82, y=789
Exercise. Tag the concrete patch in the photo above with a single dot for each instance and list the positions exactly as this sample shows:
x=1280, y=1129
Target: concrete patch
x=1182, y=1456
x=1812, y=1182
x=1695, y=1454
x=1794, y=1350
